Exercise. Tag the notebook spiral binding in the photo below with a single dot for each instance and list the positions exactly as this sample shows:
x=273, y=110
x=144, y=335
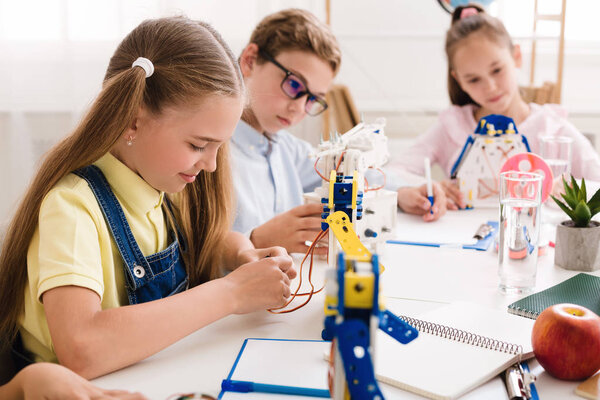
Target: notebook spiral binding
x=448, y=332
x=523, y=312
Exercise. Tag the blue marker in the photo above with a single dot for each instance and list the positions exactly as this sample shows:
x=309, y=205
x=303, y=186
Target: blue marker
x=246, y=386
x=429, y=186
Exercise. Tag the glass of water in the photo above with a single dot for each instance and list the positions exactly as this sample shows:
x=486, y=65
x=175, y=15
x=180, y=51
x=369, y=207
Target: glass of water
x=520, y=205
x=556, y=151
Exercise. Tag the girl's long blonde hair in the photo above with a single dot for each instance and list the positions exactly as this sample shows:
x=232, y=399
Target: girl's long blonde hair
x=191, y=61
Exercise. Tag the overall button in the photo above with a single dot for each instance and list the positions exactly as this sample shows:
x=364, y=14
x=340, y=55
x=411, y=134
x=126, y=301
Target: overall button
x=139, y=271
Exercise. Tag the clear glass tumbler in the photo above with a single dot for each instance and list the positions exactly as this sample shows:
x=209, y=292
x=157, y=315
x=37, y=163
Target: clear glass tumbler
x=520, y=205
x=556, y=151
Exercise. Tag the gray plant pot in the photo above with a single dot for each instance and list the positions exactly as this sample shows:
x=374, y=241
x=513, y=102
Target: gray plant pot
x=577, y=249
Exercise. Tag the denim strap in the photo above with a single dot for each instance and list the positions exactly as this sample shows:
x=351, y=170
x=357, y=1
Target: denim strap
x=117, y=223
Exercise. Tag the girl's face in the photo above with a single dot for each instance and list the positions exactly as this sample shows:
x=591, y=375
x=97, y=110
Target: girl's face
x=487, y=71
x=271, y=107
x=170, y=149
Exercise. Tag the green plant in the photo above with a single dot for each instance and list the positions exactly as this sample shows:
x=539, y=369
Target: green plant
x=576, y=205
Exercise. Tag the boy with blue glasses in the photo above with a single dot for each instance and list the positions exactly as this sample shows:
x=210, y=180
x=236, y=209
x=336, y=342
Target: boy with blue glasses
x=288, y=66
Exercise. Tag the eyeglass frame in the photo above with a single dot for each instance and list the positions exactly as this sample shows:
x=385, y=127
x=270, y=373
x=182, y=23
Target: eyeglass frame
x=289, y=73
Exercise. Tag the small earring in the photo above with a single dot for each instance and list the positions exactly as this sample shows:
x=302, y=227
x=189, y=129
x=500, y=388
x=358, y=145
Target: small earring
x=130, y=141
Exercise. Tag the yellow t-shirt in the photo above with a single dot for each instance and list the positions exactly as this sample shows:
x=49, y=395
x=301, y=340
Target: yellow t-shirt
x=72, y=245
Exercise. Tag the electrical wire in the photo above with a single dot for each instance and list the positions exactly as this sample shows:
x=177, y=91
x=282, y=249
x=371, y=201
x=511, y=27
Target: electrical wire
x=310, y=251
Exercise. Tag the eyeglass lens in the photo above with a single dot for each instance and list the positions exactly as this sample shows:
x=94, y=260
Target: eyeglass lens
x=294, y=88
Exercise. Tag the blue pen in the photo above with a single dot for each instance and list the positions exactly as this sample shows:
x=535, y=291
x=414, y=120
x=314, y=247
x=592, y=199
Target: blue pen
x=246, y=386
x=429, y=186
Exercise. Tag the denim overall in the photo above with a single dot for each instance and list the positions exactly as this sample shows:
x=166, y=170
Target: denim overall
x=148, y=278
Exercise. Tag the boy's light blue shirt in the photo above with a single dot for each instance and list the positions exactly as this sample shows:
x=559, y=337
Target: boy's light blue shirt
x=269, y=176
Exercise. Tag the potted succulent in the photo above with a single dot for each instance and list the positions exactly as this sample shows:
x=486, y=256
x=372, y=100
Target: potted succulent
x=578, y=240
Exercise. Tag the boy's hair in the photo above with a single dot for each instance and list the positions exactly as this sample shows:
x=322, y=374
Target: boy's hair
x=296, y=29
x=461, y=28
x=191, y=62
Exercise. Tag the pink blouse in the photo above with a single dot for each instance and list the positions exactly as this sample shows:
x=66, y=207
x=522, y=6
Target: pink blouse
x=443, y=142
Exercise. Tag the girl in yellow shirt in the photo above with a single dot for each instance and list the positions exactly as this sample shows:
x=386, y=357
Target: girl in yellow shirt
x=132, y=209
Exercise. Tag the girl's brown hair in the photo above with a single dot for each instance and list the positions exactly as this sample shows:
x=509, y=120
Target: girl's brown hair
x=191, y=61
x=482, y=23
x=296, y=29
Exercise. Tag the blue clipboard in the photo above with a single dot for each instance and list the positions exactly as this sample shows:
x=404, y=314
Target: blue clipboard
x=481, y=245
x=240, y=384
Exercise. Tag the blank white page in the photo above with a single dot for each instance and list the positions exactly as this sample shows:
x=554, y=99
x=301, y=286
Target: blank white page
x=455, y=227
x=281, y=362
x=441, y=368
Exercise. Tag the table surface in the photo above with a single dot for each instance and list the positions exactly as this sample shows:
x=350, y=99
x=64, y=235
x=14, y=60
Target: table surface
x=417, y=279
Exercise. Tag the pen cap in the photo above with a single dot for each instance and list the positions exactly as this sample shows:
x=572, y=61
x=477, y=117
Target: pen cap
x=427, y=165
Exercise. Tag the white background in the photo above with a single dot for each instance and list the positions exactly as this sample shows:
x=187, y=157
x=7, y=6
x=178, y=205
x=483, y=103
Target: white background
x=53, y=55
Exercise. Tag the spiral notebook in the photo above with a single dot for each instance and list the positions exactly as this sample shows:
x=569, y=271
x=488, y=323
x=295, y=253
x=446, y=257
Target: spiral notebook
x=460, y=346
x=582, y=289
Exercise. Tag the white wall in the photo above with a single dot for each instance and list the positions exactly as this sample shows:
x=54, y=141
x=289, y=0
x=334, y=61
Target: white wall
x=54, y=57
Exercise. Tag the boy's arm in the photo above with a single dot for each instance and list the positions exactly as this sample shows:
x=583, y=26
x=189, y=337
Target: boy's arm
x=291, y=229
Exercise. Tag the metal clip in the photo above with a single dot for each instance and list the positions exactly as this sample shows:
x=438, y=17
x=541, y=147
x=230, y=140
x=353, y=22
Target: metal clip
x=483, y=231
x=518, y=383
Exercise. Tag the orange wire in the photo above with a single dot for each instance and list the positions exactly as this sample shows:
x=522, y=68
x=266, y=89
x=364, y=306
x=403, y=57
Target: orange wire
x=340, y=160
x=492, y=191
x=336, y=167
x=319, y=172
x=378, y=187
x=310, y=252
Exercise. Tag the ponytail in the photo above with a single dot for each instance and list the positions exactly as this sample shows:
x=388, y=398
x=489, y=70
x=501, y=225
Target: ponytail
x=191, y=61
x=108, y=118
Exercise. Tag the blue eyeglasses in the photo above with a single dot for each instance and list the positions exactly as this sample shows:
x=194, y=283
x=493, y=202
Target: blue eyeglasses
x=294, y=87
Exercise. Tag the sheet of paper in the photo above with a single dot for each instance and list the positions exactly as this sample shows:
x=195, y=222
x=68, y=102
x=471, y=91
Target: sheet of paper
x=281, y=362
x=455, y=227
x=442, y=368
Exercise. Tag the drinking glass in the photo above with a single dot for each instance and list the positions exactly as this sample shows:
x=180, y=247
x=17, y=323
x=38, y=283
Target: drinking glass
x=556, y=151
x=520, y=204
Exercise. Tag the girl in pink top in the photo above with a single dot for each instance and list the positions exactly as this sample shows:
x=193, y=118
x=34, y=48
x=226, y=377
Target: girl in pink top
x=482, y=80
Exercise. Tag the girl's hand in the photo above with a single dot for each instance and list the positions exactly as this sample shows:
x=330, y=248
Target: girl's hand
x=453, y=194
x=249, y=255
x=45, y=381
x=413, y=200
x=291, y=229
x=261, y=284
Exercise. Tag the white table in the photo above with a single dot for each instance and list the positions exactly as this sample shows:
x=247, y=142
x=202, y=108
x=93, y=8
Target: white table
x=416, y=279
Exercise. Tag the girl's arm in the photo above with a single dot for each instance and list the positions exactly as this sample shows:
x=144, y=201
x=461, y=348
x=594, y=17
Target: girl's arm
x=239, y=250
x=235, y=243
x=93, y=342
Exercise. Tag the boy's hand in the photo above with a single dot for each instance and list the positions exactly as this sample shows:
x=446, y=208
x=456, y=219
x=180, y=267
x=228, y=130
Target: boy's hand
x=453, y=194
x=291, y=230
x=413, y=200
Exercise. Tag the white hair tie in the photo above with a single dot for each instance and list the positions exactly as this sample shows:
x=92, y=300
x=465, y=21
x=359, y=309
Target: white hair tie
x=145, y=64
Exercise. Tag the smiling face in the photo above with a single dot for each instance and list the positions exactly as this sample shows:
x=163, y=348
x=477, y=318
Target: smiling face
x=170, y=149
x=272, y=109
x=487, y=71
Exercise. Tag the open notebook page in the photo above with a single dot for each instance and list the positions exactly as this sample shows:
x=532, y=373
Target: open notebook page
x=455, y=227
x=441, y=368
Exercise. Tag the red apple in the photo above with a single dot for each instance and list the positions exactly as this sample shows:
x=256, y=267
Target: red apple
x=566, y=341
